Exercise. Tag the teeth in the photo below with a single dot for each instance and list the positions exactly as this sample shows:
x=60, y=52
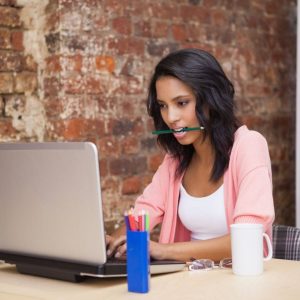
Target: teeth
x=179, y=130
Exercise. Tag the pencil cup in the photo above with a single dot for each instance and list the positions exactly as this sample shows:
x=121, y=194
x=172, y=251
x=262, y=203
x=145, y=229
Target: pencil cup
x=138, y=268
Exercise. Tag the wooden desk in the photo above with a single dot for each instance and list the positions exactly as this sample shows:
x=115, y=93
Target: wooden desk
x=280, y=280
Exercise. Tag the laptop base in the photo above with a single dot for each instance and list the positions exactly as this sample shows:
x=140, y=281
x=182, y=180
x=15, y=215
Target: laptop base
x=49, y=273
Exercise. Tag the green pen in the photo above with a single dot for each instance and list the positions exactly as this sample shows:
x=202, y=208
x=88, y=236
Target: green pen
x=166, y=131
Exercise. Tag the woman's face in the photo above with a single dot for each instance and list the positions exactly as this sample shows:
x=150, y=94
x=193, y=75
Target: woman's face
x=178, y=108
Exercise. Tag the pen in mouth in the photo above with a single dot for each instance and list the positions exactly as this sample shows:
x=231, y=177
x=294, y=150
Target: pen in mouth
x=166, y=131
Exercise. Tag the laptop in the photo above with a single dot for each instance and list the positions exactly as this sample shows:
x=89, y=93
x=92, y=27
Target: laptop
x=51, y=217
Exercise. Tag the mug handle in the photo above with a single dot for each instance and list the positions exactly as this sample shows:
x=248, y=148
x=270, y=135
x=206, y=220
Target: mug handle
x=270, y=249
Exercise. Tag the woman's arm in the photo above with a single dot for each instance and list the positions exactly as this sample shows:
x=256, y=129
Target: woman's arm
x=215, y=249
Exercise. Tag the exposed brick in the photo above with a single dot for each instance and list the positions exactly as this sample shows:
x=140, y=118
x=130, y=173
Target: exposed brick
x=7, y=131
x=125, y=45
x=105, y=63
x=72, y=63
x=122, y=25
x=127, y=166
x=53, y=107
x=160, y=29
x=53, y=64
x=52, y=86
x=179, y=32
x=25, y=82
x=161, y=48
x=130, y=145
x=10, y=61
x=17, y=40
x=9, y=17
x=120, y=127
x=143, y=29
x=73, y=84
x=6, y=83
x=5, y=39
x=131, y=185
x=109, y=147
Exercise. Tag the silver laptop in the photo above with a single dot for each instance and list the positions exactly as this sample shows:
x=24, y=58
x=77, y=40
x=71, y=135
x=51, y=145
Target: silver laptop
x=51, y=218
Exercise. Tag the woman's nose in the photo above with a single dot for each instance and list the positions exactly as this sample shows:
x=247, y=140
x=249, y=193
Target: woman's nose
x=173, y=114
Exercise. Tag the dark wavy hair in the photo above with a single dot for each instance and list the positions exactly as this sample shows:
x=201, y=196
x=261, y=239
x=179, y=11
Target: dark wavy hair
x=213, y=91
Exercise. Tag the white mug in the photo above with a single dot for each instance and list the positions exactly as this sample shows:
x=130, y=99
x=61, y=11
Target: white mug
x=247, y=248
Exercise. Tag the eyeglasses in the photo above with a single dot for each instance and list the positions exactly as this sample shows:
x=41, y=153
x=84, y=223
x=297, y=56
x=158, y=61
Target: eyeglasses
x=208, y=264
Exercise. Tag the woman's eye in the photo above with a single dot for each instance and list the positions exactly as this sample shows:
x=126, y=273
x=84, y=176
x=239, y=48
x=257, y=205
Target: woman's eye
x=161, y=105
x=182, y=102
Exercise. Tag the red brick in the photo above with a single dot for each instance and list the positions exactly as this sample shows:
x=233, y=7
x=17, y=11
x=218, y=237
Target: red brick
x=73, y=84
x=17, y=40
x=160, y=29
x=93, y=85
x=127, y=166
x=5, y=38
x=74, y=129
x=9, y=17
x=72, y=63
x=7, y=131
x=25, y=82
x=103, y=167
x=53, y=64
x=130, y=145
x=122, y=25
x=109, y=147
x=109, y=183
x=95, y=127
x=192, y=13
x=179, y=32
x=6, y=83
x=105, y=63
x=143, y=29
x=52, y=86
x=131, y=185
x=125, y=45
x=10, y=61
x=53, y=107
x=162, y=11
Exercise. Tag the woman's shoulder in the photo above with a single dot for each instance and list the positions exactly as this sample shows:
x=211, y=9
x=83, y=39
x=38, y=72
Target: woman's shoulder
x=169, y=161
x=246, y=137
x=250, y=147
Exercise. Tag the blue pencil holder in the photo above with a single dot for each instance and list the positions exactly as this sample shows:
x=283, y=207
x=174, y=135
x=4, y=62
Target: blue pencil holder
x=138, y=266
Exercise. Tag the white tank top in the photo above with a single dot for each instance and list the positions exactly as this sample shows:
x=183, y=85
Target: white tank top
x=203, y=216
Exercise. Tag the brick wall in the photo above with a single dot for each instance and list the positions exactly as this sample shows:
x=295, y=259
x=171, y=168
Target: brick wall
x=79, y=70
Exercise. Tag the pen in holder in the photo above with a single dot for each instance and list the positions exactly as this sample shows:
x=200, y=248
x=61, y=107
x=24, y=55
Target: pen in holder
x=138, y=267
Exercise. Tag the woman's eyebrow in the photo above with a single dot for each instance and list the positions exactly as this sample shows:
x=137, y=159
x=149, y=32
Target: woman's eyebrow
x=175, y=98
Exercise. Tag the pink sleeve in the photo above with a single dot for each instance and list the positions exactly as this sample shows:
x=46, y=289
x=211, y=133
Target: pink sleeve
x=155, y=194
x=254, y=178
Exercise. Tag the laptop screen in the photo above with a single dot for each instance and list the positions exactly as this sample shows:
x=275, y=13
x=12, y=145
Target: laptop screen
x=50, y=204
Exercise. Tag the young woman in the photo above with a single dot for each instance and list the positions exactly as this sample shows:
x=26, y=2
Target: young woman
x=215, y=172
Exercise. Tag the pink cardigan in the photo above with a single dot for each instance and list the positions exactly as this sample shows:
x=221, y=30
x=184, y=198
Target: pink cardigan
x=247, y=189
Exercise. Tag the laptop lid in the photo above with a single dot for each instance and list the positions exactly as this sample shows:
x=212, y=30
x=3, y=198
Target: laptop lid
x=50, y=203
x=51, y=217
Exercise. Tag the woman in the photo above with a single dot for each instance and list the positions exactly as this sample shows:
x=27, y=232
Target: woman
x=215, y=172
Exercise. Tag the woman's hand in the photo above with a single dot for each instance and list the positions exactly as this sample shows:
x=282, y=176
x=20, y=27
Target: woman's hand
x=158, y=251
x=116, y=246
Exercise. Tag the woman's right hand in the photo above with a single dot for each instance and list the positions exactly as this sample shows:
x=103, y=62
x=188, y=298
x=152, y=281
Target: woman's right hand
x=116, y=246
